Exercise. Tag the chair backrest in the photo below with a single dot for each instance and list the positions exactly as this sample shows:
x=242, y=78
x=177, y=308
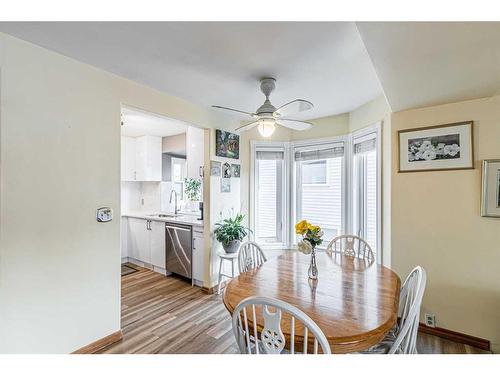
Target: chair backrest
x=272, y=340
x=351, y=245
x=250, y=256
x=410, y=299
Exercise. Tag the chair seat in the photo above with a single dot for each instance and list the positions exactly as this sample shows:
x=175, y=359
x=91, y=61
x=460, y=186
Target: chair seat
x=385, y=345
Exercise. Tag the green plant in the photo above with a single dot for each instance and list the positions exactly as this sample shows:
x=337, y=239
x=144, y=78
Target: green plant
x=231, y=229
x=192, y=187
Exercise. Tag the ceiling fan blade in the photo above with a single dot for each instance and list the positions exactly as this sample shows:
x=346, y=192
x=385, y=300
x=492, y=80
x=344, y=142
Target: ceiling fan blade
x=247, y=126
x=294, y=124
x=234, y=110
x=295, y=106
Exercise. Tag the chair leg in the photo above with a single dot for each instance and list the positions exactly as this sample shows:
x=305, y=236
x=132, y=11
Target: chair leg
x=220, y=277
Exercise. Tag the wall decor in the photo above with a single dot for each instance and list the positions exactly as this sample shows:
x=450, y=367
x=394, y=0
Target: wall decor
x=227, y=145
x=225, y=185
x=436, y=148
x=226, y=170
x=490, y=188
x=235, y=169
x=215, y=168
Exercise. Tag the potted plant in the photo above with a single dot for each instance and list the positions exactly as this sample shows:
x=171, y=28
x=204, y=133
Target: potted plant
x=230, y=232
x=192, y=188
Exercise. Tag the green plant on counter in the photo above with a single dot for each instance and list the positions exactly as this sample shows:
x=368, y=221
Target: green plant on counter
x=231, y=230
x=192, y=187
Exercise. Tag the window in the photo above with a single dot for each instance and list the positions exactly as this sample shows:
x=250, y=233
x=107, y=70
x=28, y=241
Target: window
x=269, y=202
x=319, y=180
x=365, y=217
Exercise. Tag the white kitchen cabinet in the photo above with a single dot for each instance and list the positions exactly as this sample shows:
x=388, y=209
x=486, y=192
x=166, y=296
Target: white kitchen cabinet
x=195, y=151
x=124, y=237
x=157, y=243
x=138, y=240
x=148, y=158
x=198, y=258
x=128, y=158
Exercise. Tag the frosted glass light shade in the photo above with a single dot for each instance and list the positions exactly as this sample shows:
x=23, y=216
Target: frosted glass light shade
x=266, y=127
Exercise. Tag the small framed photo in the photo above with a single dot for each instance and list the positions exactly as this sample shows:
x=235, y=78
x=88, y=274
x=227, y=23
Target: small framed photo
x=235, y=169
x=490, y=188
x=225, y=185
x=436, y=148
x=215, y=168
x=226, y=170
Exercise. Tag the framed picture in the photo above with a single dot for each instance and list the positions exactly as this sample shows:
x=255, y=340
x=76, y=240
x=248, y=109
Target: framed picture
x=490, y=197
x=436, y=148
x=225, y=185
x=227, y=145
x=226, y=170
x=235, y=169
x=215, y=168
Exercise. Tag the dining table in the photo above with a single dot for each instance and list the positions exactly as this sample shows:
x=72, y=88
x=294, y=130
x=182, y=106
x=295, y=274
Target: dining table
x=353, y=301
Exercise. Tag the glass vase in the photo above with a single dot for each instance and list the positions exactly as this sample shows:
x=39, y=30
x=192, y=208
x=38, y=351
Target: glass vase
x=313, y=270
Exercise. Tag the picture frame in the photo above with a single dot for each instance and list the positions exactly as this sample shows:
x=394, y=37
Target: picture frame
x=225, y=185
x=235, y=170
x=490, y=188
x=227, y=144
x=436, y=148
x=226, y=170
x=215, y=168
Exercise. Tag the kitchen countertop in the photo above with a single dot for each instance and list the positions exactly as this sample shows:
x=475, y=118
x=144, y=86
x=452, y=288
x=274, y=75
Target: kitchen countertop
x=181, y=219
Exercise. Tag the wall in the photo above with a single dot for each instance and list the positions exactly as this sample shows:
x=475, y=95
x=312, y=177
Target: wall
x=60, y=159
x=175, y=144
x=436, y=223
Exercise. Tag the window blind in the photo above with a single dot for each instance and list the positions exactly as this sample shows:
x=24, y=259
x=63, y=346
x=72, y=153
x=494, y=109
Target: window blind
x=365, y=144
x=270, y=155
x=329, y=152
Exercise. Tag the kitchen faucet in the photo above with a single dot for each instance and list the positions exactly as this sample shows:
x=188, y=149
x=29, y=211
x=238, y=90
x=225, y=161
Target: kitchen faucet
x=170, y=201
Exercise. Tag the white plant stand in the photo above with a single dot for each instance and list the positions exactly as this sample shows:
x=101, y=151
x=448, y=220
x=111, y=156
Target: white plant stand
x=232, y=257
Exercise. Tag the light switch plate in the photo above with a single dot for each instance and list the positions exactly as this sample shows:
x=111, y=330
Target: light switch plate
x=104, y=214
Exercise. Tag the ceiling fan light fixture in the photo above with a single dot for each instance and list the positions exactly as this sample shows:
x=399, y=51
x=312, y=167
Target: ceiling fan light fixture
x=266, y=127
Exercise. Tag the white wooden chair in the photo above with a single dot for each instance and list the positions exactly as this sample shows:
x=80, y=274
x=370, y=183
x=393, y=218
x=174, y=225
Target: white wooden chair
x=403, y=338
x=250, y=256
x=351, y=245
x=272, y=340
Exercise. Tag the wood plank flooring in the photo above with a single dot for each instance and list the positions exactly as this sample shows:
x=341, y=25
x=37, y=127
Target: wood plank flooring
x=166, y=315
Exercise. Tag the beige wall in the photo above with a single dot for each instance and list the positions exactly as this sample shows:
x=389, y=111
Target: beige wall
x=436, y=223
x=174, y=144
x=60, y=160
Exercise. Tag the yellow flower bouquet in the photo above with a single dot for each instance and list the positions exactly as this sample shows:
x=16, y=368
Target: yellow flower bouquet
x=311, y=237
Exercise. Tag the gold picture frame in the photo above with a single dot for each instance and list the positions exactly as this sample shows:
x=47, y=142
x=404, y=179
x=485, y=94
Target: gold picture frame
x=432, y=134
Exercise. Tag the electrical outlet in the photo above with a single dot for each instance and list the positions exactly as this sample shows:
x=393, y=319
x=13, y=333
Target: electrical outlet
x=430, y=320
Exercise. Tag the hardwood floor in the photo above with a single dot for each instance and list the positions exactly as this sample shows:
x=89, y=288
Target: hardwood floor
x=166, y=315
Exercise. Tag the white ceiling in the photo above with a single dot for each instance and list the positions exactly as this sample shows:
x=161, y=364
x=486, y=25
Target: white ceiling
x=221, y=62
x=336, y=65
x=137, y=123
x=422, y=63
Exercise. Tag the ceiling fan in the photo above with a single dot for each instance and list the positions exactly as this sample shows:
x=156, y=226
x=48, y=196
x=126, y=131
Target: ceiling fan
x=267, y=116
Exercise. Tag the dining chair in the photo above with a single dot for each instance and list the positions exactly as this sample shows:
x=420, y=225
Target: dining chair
x=402, y=339
x=250, y=256
x=351, y=245
x=272, y=340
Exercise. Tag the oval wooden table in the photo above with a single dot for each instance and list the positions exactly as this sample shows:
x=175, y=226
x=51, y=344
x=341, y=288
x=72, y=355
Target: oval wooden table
x=353, y=302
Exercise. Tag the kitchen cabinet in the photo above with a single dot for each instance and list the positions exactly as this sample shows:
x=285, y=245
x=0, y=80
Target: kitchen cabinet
x=138, y=242
x=148, y=158
x=128, y=158
x=157, y=243
x=146, y=241
x=198, y=257
x=124, y=237
x=195, y=151
x=141, y=158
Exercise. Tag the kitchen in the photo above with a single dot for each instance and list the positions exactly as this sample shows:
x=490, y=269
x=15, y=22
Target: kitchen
x=162, y=196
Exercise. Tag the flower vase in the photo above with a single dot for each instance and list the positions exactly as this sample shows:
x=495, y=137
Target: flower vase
x=313, y=270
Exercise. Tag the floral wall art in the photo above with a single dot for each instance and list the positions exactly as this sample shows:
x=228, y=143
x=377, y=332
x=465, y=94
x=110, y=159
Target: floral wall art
x=440, y=147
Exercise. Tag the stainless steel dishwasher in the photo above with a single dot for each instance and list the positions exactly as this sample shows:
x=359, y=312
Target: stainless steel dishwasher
x=179, y=242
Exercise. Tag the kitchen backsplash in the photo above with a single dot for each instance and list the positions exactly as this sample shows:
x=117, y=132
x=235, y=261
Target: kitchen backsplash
x=147, y=197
